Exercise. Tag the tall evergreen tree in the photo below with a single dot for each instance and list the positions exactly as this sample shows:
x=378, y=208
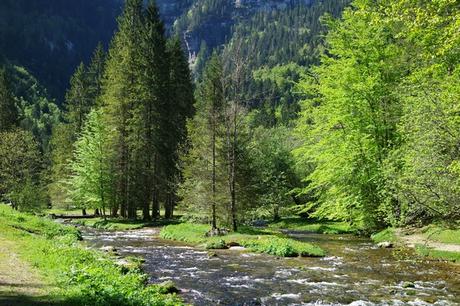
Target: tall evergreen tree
x=202, y=186
x=179, y=110
x=121, y=95
x=78, y=99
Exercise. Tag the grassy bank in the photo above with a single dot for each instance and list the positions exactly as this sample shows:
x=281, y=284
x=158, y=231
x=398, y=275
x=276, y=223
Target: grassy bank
x=116, y=224
x=314, y=226
x=77, y=276
x=433, y=241
x=437, y=254
x=261, y=241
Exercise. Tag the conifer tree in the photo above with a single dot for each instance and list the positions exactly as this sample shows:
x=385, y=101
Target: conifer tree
x=78, y=99
x=121, y=94
x=180, y=109
x=202, y=185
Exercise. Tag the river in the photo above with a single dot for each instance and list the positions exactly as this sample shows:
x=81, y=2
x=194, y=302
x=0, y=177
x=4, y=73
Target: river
x=354, y=272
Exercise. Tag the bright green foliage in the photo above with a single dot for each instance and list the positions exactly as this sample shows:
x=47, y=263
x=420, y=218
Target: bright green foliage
x=21, y=165
x=273, y=170
x=92, y=181
x=284, y=247
x=385, y=235
x=351, y=123
x=380, y=120
x=85, y=88
x=81, y=276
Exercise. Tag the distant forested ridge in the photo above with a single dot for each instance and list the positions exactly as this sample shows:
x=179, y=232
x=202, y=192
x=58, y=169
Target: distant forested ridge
x=51, y=37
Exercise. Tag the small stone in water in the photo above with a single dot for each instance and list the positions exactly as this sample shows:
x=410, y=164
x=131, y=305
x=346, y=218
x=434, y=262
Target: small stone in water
x=385, y=245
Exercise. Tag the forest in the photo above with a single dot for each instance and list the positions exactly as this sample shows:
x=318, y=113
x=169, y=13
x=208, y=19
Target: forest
x=331, y=119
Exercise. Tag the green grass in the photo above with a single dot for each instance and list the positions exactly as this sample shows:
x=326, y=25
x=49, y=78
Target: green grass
x=261, y=241
x=385, y=235
x=322, y=227
x=444, y=235
x=436, y=254
x=79, y=276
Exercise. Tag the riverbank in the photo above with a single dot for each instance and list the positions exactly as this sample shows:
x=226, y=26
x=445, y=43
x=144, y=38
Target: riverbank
x=52, y=268
x=314, y=226
x=255, y=240
x=431, y=241
x=108, y=223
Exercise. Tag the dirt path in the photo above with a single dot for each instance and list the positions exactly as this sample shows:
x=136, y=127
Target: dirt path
x=20, y=284
x=413, y=239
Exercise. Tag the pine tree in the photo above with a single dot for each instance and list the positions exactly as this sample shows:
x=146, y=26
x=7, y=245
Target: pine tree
x=180, y=109
x=78, y=99
x=95, y=74
x=121, y=95
x=202, y=187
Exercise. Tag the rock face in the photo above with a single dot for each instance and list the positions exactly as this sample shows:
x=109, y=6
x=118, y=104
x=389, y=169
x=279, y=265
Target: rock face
x=211, y=22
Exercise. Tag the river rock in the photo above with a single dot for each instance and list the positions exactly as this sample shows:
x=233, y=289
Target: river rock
x=385, y=245
x=408, y=285
x=109, y=249
x=168, y=287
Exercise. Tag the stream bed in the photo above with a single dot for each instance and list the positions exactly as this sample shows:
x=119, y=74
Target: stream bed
x=354, y=272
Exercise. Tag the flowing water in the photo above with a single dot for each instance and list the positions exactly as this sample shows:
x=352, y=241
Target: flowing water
x=355, y=272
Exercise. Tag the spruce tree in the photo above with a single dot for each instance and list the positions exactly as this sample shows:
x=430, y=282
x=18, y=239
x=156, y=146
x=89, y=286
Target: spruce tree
x=202, y=187
x=78, y=99
x=121, y=95
x=180, y=109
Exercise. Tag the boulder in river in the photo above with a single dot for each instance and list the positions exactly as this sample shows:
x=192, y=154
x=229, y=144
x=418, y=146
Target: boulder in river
x=108, y=249
x=168, y=287
x=385, y=245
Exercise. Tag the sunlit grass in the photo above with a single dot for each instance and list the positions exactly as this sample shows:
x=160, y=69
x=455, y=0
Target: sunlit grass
x=315, y=226
x=437, y=254
x=261, y=241
x=385, y=235
x=81, y=276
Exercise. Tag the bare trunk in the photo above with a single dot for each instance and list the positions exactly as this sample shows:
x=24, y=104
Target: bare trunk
x=213, y=205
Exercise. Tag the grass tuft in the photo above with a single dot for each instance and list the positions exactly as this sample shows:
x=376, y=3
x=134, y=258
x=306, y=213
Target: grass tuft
x=385, y=235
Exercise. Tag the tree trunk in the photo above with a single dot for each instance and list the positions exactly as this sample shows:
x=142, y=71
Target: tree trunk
x=169, y=206
x=213, y=204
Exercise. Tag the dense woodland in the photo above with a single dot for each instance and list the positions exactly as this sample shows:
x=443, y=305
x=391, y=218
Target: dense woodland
x=350, y=118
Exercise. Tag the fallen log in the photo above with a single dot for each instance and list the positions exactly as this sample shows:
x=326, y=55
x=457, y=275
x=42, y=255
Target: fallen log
x=54, y=216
